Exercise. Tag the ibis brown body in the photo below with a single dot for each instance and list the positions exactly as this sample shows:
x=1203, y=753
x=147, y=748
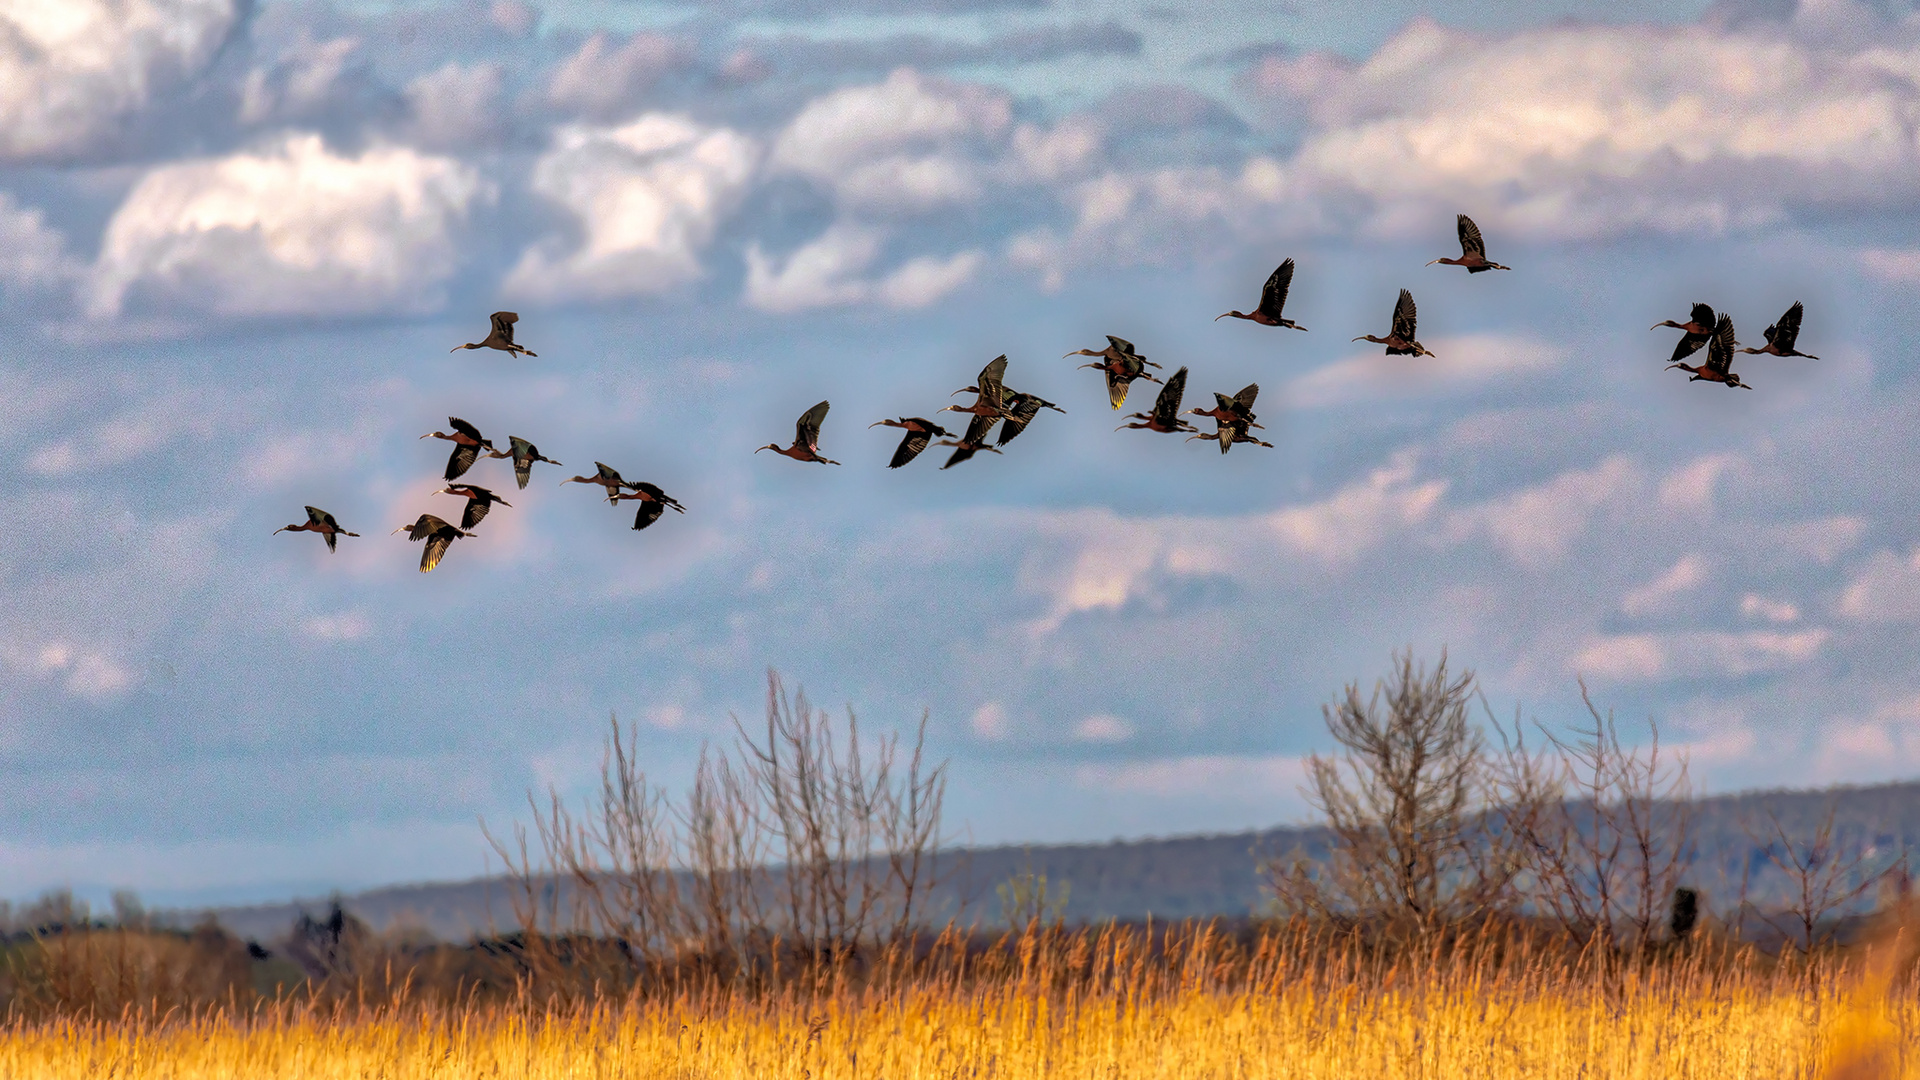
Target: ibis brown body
x=919, y=432
x=500, y=336
x=1719, y=365
x=321, y=522
x=1473, y=249
x=806, y=437
x=1121, y=365
x=1272, y=299
x=524, y=454
x=467, y=444
x=1783, y=335
x=653, y=503
x=479, y=501
x=607, y=477
x=1400, y=341
x=1165, y=416
x=439, y=536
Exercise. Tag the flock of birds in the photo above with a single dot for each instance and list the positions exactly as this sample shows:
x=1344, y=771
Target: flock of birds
x=995, y=403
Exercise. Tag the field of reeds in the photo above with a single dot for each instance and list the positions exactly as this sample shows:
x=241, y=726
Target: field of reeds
x=1484, y=914
x=1118, y=1002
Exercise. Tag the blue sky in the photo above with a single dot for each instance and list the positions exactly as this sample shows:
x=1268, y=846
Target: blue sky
x=239, y=241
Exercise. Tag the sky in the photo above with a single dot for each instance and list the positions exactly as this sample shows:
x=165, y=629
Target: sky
x=237, y=241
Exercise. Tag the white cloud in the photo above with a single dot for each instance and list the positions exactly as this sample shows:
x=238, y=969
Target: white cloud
x=72, y=70
x=1658, y=595
x=647, y=197
x=1885, y=590
x=1219, y=776
x=33, y=255
x=1464, y=361
x=602, y=80
x=1344, y=526
x=290, y=229
x=1755, y=606
x=1102, y=728
x=1584, y=129
x=1691, y=486
x=990, y=722
x=1537, y=526
x=909, y=143
x=1630, y=658
x=132, y=434
x=456, y=106
x=346, y=626
x=87, y=673
x=826, y=272
x=304, y=79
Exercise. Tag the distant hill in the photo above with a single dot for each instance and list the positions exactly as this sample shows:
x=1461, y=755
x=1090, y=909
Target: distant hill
x=1180, y=877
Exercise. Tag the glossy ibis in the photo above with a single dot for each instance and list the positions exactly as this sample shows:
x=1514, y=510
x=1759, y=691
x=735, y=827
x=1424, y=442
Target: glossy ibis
x=319, y=521
x=524, y=454
x=1782, y=335
x=919, y=430
x=806, y=437
x=1473, y=249
x=1165, y=416
x=466, y=440
x=439, y=537
x=1719, y=365
x=500, y=338
x=1272, y=298
x=479, y=501
x=1400, y=340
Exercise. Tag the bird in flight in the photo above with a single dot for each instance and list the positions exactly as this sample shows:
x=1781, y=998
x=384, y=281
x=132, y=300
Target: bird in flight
x=1021, y=409
x=524, y=454
x=989, y=401
x=1227, y=433
x=653, y=503
x=1121, y=365
x=1272, y=298
x=1238, y=408
x=1473, y=250
x=1400, y=340
x=974, y=441
x=479, y=501
x=806, y=437
x=1719, y=365
x=466, y=440
x=500, y=338
x=1782, y=335
x=1698, y=329
x=1165, y=416
x=319, y=521
x=439, y=537
x=607, y=477
x=919, y=431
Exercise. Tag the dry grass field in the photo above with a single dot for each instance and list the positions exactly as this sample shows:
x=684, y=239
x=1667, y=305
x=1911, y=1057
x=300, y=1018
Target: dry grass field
x=1094, y=1005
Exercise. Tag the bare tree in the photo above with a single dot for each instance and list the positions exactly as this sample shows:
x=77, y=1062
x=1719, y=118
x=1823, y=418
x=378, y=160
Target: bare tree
x=1826, y=873
x=853, y=834
x=1407, y=802
x=1604, y=826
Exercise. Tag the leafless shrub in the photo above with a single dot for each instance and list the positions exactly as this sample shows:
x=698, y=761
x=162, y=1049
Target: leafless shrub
x=804, y=833
x=1406, y=801
x=1603, y=826
x=1827, y=873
